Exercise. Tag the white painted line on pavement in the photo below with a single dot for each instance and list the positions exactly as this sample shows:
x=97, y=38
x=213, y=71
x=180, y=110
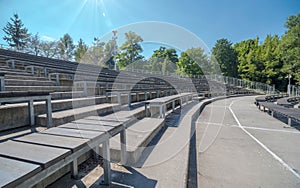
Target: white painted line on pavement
x=219, y=124
x=262, y=145
x=247, y=127
x=275, y=130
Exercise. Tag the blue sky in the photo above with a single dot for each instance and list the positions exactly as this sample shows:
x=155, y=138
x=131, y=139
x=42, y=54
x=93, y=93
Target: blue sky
x=210, y=20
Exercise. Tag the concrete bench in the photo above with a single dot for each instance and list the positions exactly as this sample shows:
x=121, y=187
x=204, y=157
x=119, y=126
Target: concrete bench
x=146, y=92
x=14, y=172
x=58, y=75
x=52, y=152
x=44, y=157
x=30, y=97
x=65, y=116
x=288, y=102
x=162, y=102
x=138, y=136
x=57, y=147
x=289, y=113
x=109, y=125
x=38, y=69
x=137, y=113
x=268, y=98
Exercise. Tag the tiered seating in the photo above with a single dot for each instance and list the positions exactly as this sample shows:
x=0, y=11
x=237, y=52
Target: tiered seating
x=288, y=102
x=269, y=98
x=292, y=114
x=89, y=105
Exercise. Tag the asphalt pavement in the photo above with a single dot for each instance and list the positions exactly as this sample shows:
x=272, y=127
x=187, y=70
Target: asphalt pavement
x=239, y=146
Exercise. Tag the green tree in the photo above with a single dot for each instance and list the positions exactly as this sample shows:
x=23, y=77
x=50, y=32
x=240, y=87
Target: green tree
x=130, y=50
x=163, y=53
x=292, y=21
x=270, y=55
x=49, y=49
x=66, y=47
x=33, y=44
x=95, y=54
x=193, y=62
x=110, y=52
x=250, y=64
x=16, y=34
x=80, y=50
x=227, y=57
x=163, y=58
x=290, y=48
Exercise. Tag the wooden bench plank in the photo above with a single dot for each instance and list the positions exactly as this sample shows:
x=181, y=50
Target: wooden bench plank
x=73, y=144
x=42, y=155
x=13, y=172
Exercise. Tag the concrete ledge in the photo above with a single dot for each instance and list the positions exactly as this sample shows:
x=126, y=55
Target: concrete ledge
x=67, y=116
x=139, y=135
x=38, y=88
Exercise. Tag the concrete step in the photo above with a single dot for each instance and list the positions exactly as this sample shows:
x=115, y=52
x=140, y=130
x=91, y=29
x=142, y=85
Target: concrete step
x=3, y=67
x=14, y=72
x=16, y=115
x=138, y=136
x=64, y=104
x=39, y=88
x=67, y=95
x=70, y=115
x=27, y=82
x=137, y=113
x=23, y=77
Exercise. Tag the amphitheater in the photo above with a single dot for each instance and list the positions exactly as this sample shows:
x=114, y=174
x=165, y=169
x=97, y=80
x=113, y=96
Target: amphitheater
x=65, y=124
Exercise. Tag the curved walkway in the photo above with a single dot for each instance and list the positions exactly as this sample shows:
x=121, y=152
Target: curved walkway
x=239, y=146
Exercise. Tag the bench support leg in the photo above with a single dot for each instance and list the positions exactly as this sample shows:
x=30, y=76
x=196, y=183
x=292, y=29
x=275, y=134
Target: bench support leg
x=106, y=97
x=74, y=169
x=106, y=163
x=57, y=80
x=85, y=90
x=123, y=147
x=180, y=102
x=289, y=121
x=96, y=152
x=32, y=70
x=137, y=97
x=31, y=112
x=146, y=110
x=129, y=99
x=173, y=105
x=45, y=72
x=2, y=83
x=12, y=63
x=161, y=111
x=49, y=112
x=119, y=98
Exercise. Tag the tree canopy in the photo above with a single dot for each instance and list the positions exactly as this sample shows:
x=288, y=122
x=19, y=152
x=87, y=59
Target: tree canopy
x=193, y=62
x=66, y=47
x=226, y=56
x=130, y=51
x=163, y=60
x=16, y=34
